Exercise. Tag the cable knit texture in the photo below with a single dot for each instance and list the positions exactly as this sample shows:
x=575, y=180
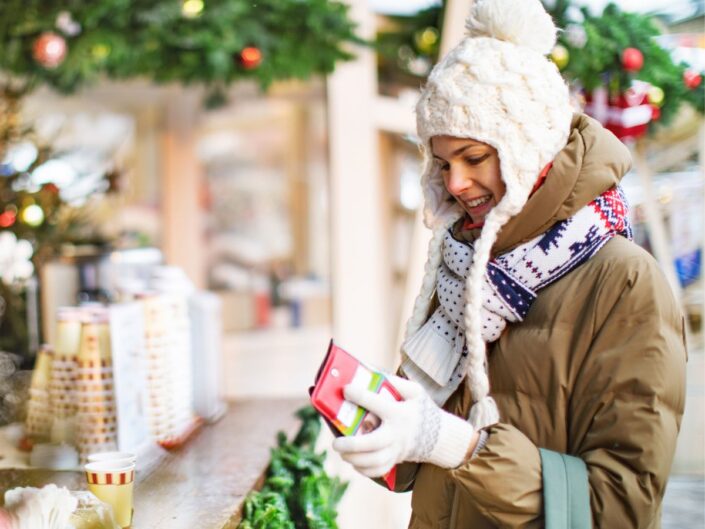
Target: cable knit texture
x=497, y=87
x=427, y=435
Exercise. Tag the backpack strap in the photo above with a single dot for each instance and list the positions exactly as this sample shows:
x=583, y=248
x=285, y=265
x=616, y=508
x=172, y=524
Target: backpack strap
x=566, y=493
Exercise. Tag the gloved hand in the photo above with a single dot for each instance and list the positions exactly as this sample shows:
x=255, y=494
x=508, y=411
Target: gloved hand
x=414, y=429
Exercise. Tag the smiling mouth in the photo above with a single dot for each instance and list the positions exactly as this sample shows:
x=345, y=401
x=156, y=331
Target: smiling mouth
x=479, y=201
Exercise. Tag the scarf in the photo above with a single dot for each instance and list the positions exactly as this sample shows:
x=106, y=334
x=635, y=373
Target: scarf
x=435, y=356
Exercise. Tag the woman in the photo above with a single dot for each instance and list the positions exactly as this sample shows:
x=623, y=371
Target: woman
x=532, y=283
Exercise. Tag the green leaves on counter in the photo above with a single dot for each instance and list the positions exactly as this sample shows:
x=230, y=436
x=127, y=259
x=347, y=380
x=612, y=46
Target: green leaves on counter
x=297, y=494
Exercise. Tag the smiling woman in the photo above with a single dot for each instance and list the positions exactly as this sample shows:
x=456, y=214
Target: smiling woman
x=544, y=333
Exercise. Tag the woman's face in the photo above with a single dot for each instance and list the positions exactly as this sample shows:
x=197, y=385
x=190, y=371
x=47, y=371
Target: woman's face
x=470, y=171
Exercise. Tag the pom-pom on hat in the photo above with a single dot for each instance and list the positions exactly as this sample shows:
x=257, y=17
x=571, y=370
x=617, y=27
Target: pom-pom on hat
x=496, y=86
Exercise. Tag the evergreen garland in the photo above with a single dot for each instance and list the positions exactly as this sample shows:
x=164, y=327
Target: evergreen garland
x=596, y=62
x=599, y=61
x=399, y=46
x=156, y=40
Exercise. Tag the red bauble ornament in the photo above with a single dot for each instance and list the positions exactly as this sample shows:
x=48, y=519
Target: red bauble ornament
x=251, y=57
x=51, y=188
x=49, y=49
x=632, y=59
x=692, y=79
x=7, y=219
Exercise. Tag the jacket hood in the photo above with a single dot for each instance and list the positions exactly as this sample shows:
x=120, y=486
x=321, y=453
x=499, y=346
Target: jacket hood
x=592, y=162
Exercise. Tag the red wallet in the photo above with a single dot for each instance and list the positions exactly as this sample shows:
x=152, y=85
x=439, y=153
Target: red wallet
x=340, y=368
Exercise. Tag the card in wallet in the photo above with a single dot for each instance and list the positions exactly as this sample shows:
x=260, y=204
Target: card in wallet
x=340, y=368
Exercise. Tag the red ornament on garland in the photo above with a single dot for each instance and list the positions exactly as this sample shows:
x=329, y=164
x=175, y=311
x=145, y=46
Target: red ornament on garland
x=632, y=59
x=251, y=57
x=49, y=49
x=692, y=79
x=51, y=187
x=7, y=219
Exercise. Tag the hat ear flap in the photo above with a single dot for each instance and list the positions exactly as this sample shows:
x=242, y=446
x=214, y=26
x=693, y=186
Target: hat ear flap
x=484, y=411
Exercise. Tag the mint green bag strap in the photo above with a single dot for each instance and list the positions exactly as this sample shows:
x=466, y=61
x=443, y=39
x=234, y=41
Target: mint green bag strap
x=566, y=493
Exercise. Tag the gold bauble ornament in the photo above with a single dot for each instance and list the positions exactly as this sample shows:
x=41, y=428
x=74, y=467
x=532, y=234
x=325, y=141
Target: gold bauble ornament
x=426, y=40
x=560, y=56
x=100, y=51
x=655, y=95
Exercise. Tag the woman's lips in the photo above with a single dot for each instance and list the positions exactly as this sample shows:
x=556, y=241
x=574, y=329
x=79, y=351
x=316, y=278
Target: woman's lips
x=479, y=211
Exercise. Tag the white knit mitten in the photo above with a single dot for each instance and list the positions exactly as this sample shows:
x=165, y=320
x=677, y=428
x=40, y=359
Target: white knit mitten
x=414, y=429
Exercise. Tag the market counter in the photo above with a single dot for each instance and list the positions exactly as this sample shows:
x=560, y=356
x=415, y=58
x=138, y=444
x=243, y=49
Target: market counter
x=203, y=484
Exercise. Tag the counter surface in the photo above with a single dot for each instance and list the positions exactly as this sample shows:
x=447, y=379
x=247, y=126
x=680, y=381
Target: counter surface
x=203, y=484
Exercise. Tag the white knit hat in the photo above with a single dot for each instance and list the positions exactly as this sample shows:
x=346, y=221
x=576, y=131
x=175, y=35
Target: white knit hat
x=496, y=87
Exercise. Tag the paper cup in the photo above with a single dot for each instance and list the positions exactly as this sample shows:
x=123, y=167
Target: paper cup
x=93, y=372
x=93, y=397
x=90, y=420
x=96, y=378
x=63, y=429
x=92, y=385
x=118, y=458
x=90, y=443
x=95, y=412
x=113, y=482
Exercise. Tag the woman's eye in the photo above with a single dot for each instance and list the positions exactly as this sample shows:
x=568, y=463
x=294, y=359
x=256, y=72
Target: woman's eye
x=478, y=160
x=444, y=166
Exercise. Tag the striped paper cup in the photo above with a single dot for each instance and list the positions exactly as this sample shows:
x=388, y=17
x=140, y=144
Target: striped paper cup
x=113, y=482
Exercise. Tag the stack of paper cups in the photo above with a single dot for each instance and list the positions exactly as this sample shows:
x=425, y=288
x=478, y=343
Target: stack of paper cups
x=63, y=374
x=157, y=368
x=96, y=416
x=168, y=366
x=38, y=424
x=181, y=364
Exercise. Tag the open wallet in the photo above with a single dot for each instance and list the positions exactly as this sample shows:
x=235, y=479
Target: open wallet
x=340, y=368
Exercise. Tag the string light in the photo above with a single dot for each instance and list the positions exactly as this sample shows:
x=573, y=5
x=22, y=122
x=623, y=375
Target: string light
x=33, y=215
x=192, y=8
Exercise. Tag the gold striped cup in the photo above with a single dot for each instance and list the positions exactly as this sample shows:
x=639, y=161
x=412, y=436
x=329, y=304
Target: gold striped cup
x=113, y=482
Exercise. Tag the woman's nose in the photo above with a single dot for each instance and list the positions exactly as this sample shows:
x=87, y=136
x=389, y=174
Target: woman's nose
x=457, y=182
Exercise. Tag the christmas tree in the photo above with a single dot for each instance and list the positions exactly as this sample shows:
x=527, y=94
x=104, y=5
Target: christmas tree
x=35, y=221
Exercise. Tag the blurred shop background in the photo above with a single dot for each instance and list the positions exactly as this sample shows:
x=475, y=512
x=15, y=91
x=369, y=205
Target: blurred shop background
x=259, y=165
